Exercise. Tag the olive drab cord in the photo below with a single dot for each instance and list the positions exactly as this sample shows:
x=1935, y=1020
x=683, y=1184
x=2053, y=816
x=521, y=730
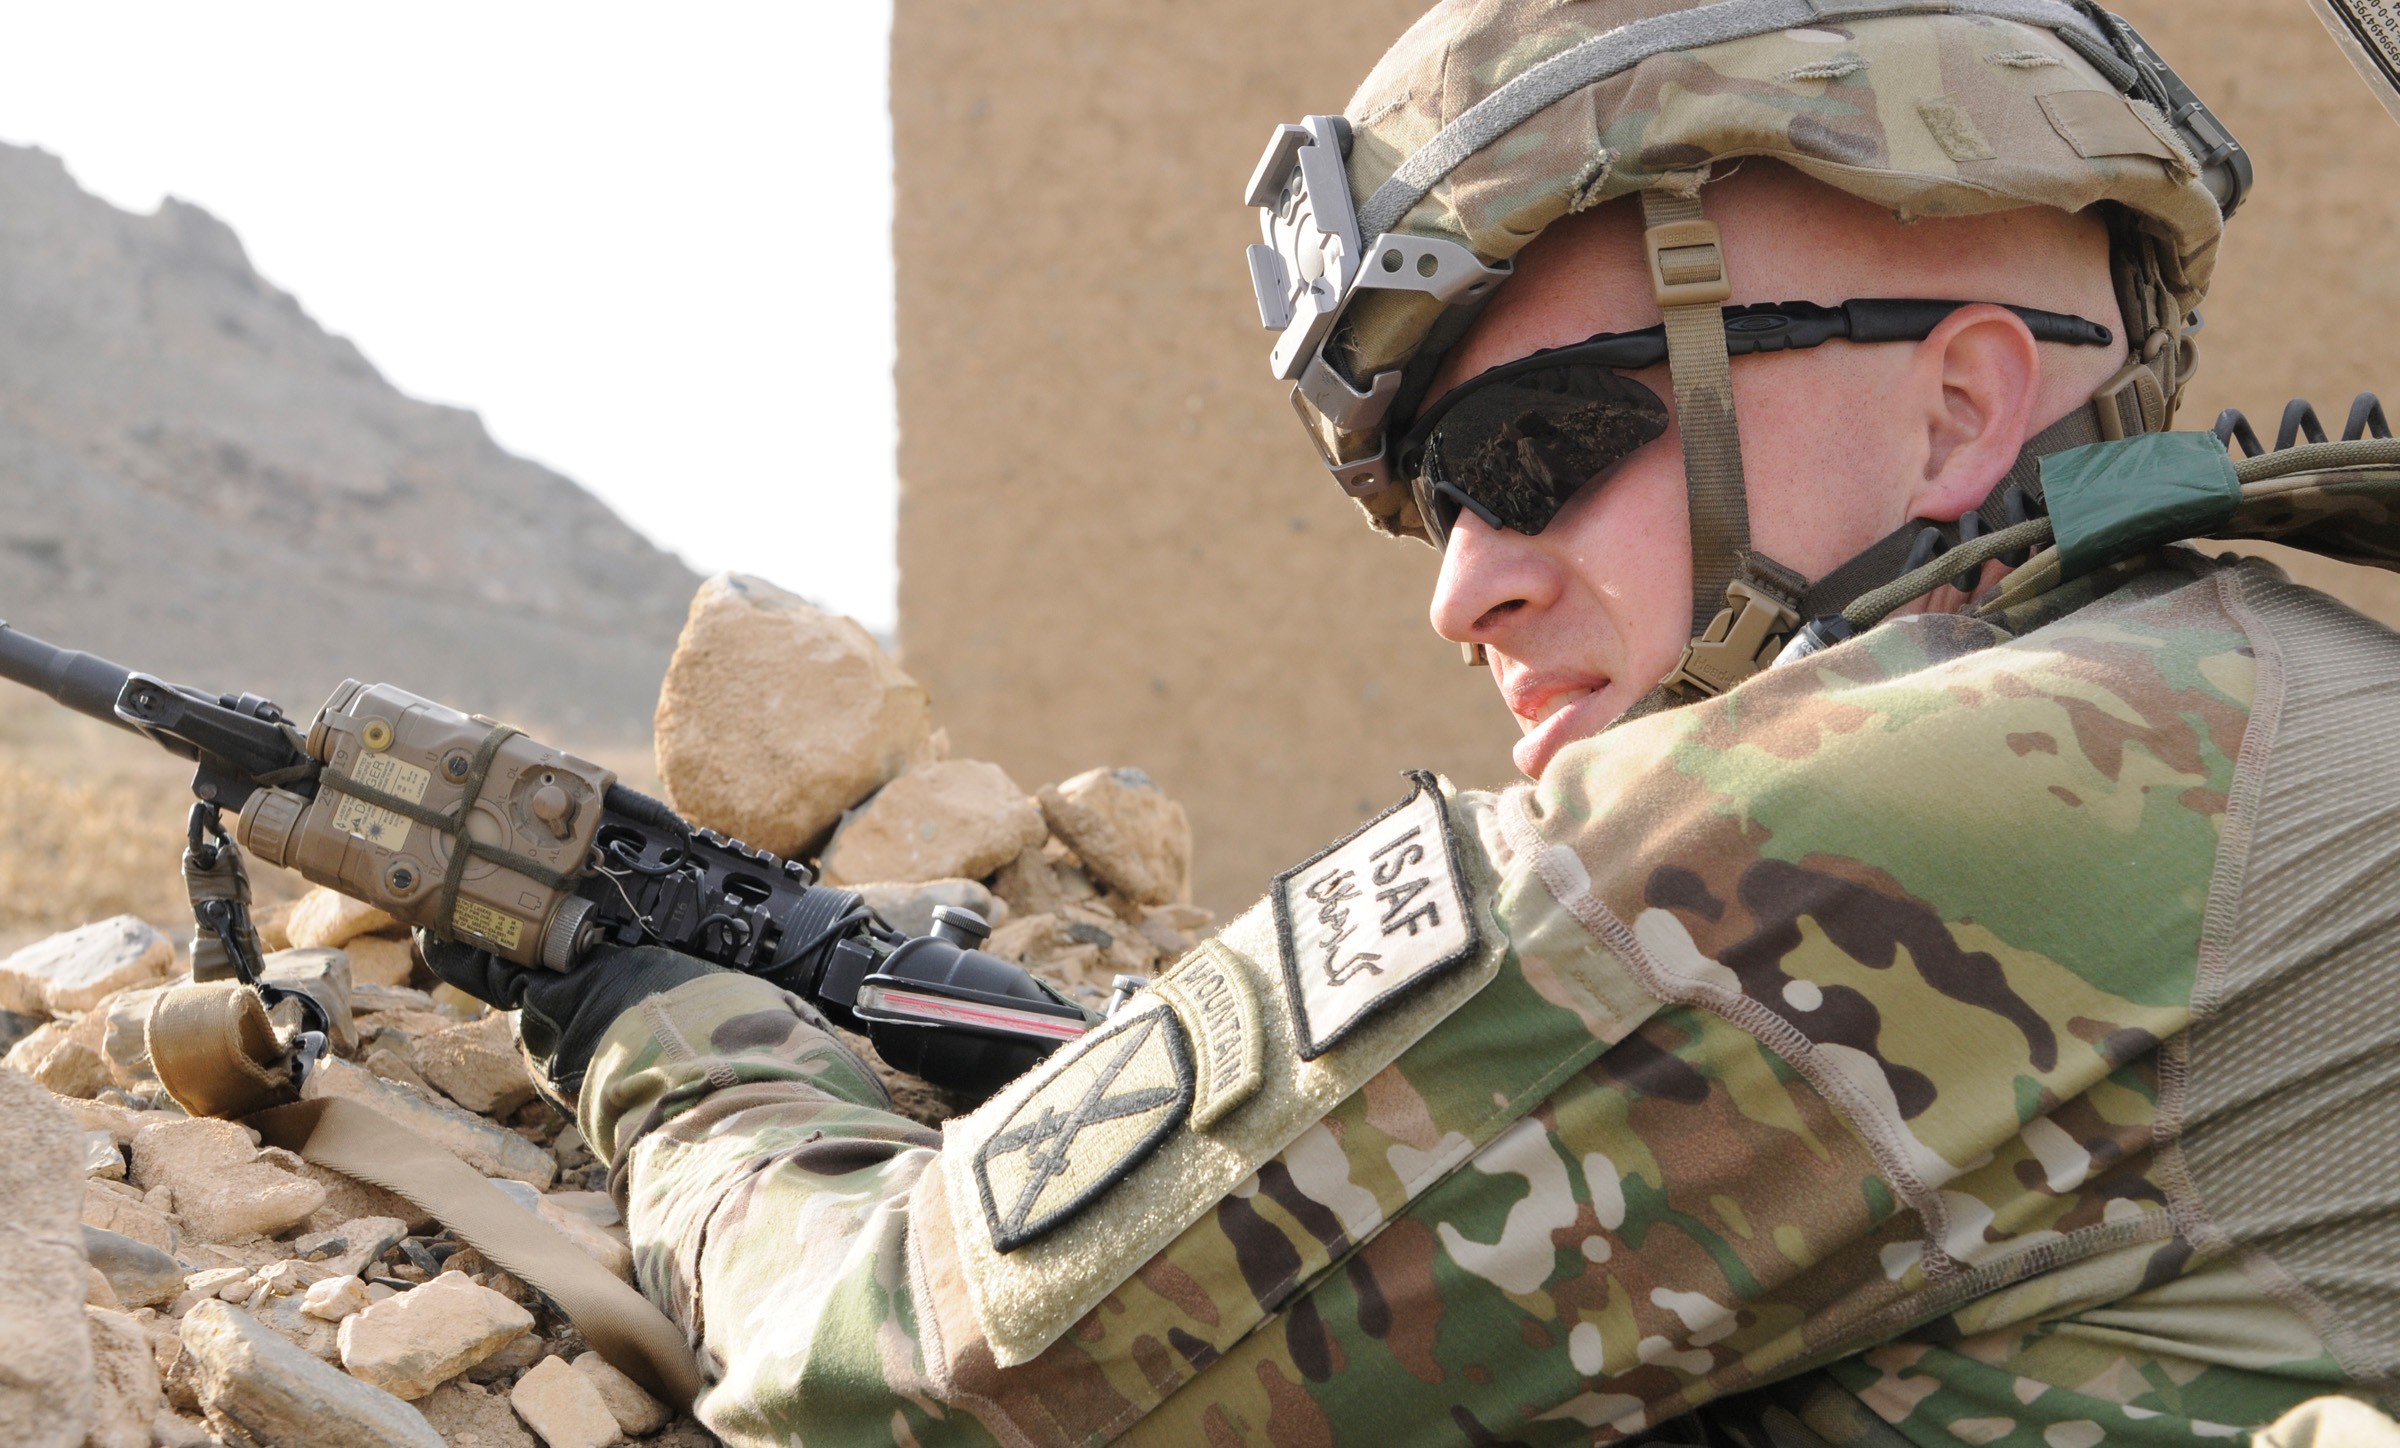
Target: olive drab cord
x=2301, y=446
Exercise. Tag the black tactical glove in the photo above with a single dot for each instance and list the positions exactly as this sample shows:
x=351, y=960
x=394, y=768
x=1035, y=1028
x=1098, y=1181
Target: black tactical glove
x=561, y=1017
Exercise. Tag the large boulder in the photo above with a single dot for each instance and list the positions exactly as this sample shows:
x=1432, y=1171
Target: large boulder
x=75, y=970
x=777, y=716
x=46, y=1384
x=961, y=818
x=1128, y=833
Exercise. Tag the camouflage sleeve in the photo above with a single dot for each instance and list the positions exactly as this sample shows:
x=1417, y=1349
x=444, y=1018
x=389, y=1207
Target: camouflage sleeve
x=764, y=1182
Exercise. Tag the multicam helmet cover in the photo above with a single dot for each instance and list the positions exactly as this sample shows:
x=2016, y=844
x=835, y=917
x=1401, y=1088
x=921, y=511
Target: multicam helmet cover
x=1490, y=119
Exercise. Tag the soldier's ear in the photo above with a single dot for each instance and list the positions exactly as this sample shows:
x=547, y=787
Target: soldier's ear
x=1974, y=383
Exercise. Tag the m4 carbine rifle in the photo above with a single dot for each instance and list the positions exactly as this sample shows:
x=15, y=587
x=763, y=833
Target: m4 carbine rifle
x=472, y=831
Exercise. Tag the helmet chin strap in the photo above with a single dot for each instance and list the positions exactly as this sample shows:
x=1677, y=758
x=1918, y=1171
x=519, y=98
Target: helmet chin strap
x=1744, y=604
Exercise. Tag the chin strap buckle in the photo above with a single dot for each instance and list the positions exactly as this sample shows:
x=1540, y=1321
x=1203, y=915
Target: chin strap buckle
x=1743, y=639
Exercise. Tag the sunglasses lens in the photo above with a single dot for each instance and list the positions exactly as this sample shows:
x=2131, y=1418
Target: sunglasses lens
x=1520, y=447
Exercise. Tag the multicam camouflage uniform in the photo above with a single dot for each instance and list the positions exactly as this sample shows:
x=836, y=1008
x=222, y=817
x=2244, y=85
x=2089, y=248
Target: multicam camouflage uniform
x=1973, y=1032
x=1979, y=1031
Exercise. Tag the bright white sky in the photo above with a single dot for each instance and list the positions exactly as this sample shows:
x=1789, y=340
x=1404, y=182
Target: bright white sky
x=650, y=244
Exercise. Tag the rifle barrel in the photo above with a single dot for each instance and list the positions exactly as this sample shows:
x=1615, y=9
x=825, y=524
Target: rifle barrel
x=85, y=683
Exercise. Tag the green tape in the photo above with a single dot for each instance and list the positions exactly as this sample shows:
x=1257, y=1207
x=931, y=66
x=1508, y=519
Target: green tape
x=2114, y=500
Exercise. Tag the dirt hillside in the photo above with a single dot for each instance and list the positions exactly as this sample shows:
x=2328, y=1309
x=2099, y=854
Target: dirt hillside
x=198, y=480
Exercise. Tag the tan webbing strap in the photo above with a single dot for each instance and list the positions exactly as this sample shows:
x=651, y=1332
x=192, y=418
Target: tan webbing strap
x=619, y=1322
x=217, y=1054
x=215, y=1051
x=1688, y=277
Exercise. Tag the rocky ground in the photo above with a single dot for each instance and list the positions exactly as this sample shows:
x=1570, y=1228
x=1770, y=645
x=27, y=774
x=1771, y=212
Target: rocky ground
x=166, y=1280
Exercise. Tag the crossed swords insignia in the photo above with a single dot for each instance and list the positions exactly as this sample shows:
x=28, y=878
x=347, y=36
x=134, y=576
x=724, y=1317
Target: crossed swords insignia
x=1048, y=1140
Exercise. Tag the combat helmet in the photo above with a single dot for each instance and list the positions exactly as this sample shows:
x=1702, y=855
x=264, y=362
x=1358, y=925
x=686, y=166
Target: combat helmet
x=1389, y=226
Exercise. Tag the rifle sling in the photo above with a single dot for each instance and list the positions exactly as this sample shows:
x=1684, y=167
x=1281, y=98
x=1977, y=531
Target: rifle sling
x=217, y=1054
x=620, y=1323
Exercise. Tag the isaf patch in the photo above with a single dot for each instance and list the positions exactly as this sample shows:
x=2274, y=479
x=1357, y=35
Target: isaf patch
x=1372, y=918
x=1105, y=1104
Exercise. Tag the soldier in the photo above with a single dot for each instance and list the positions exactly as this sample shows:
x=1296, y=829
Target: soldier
x=1977, y=1030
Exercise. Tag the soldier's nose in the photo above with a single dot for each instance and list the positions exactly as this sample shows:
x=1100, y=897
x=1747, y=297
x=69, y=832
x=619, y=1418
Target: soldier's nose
x=1490, y=576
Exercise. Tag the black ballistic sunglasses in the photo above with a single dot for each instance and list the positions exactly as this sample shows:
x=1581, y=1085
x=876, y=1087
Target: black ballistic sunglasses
x=1513, y=444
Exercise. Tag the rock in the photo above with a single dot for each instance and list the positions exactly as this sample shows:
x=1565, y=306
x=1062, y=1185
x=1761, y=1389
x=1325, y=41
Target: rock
x=1132, y=838
x=523, y=1195
x=476, y=1065
x=46, y=1392
x=282, y=1315
x=1029, y=885
x=35, y=1046
x=223, y=1190
x=378, y=961
x=908, y=908
x=74, y=1069
x=1041, y=943
x=140, y=1274
x=1124, y=950
x=96, y=1291
x=206, y=1283
x=15, y=1026
x=74, y=971
x=571, y=1150
x=252, y=1382
x=367, y=997
x=290, y=1275
x=102, y=1157
x=329, y=917
x=450, y=1001
x=776, y=716
x=959, y=818
x=124, y=1212
x=491, y=1150
x=392, y=1062
x=564, y=1407
x=121, y=1122
x=349, y=1249
x=605, y=1244
x=273, y=924
x=172, y=1430
x=512, y=1358
x=124, y=1037
x=335, y=1298
x=323, y=975
x=126, y=1394
x=466, y=1414
x=423, y=1337
x=1176, y=930
x=347, y=1199
x=635, y=1410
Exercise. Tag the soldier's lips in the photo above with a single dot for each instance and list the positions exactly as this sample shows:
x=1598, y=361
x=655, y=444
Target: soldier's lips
x=1555, y=712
